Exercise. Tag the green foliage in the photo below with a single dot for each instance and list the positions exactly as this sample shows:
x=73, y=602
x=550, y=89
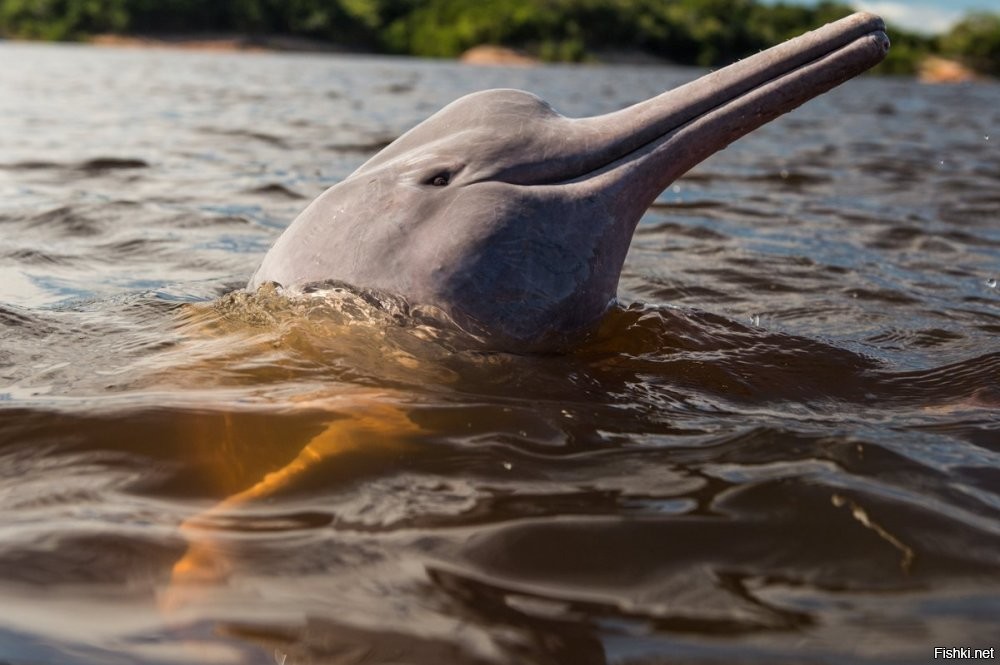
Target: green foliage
x=61, y=19
x=704, y=32
x=775, y=24
x=701, y=32
x=173, y=15
x=553, y=29
x=975, y=41
x=351, y=22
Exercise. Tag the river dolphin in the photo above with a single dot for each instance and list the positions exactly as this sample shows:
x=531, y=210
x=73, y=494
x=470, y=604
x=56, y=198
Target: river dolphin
x=515, y=220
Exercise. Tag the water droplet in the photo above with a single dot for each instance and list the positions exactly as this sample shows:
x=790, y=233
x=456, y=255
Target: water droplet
x=755, y=320
x=508, y=466
x=987, y=137
x=991, y=282
x=676, y=189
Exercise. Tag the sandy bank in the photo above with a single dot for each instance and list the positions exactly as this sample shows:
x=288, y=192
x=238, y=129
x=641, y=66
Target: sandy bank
x=219, y=42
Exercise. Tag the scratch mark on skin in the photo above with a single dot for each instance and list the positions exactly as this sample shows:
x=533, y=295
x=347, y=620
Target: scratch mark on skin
x=859, y=513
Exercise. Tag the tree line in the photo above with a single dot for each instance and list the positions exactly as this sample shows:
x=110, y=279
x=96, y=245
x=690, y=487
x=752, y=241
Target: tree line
x=695, y=32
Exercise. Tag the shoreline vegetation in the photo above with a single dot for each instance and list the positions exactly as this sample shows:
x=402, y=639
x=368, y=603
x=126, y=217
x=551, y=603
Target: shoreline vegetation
x=706, y=33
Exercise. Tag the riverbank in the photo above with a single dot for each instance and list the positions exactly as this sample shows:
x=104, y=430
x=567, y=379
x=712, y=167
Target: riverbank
x=220, y=42
x=703, y=33
x=931, y=69
x=484, y=54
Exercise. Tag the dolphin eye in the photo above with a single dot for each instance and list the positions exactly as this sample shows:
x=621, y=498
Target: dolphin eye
x=439, y=180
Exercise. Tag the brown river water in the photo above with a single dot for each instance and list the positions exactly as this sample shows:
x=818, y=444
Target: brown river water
x=782, y=447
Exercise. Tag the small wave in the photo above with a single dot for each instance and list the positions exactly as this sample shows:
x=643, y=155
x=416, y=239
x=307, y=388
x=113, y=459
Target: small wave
x=971, y=382
x=726, y=360
x=18, y=317
x=275, y=189
x=99, y=164
x=38, y=257
x=71, y=220
x=32, y=165
x=789, y=178
x=93, y=165
x=398, y=88
x=925, y=338
x=685, y=230
x=663, y=290
x=255, y=135
x=80, y=220
x=881, y=295
x=371, y=146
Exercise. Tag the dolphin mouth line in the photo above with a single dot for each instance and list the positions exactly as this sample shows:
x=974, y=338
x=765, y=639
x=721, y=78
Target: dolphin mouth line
x=750, y=93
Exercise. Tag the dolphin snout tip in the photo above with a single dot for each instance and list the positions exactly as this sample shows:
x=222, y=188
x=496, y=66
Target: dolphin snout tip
x=874, y=26
x=882, y=42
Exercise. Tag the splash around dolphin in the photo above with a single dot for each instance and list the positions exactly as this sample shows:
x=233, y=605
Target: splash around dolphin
x=515, y=220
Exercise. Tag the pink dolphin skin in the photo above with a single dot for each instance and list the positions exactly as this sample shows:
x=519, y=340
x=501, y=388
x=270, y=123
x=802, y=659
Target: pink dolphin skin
x=515, y=220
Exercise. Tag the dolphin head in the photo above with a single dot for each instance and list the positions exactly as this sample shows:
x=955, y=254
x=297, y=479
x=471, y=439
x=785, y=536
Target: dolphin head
x=516, y=220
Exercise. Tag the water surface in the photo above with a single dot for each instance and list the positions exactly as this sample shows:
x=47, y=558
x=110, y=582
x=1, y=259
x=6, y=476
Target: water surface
x=782, y=447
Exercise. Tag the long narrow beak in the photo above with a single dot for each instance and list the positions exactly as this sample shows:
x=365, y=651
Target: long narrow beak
x=657, y=140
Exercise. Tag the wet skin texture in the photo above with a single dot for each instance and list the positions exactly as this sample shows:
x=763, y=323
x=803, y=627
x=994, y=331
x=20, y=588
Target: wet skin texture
x=514, y=220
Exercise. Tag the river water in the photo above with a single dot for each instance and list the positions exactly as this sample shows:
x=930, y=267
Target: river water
x=782, y=447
